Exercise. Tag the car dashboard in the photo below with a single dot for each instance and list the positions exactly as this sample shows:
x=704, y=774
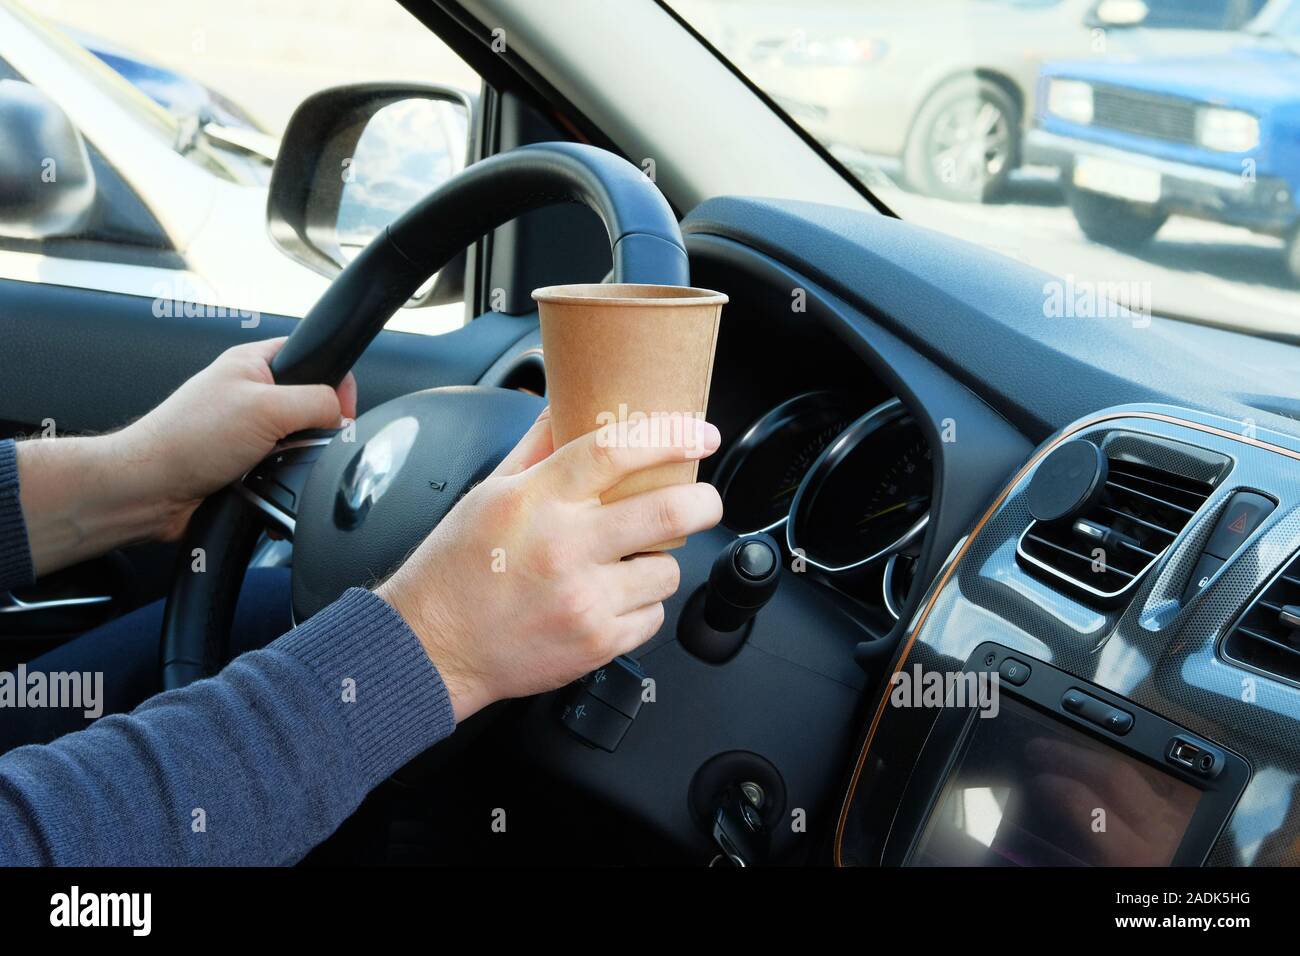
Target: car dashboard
x=845, y=489
x=1184, y=665
x=886, y=402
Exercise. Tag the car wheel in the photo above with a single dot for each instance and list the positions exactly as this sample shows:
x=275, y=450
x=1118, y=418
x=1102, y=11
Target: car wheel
x=1114, y=222
x=1293, y=254
x=964, y=142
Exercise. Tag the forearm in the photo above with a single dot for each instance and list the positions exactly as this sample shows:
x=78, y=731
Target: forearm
x=255, y=766
x=83, y=497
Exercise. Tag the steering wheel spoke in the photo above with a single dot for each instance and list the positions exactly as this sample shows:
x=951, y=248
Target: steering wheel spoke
x=275, y=486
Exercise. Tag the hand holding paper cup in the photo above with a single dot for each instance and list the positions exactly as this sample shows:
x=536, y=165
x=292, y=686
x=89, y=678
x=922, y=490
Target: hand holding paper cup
x=634, y=353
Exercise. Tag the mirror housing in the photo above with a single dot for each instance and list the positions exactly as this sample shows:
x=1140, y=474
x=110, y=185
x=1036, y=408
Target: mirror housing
x=317, y=174
x=47, y=185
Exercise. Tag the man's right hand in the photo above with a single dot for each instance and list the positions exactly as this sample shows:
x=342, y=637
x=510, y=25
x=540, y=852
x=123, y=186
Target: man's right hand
x=521, y=588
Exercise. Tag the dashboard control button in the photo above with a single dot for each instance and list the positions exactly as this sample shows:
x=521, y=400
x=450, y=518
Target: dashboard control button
x=594, y=722
x=1205, y=569
x=755, y=559
x=1245, y=512
x=618, y=684
x=1098, y=712
x=1118, y=721
x=1074, y=701
x=1014, y=672
x=1095, y=711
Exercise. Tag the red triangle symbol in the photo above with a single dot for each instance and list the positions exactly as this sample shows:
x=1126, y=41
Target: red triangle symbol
x=1239, y=524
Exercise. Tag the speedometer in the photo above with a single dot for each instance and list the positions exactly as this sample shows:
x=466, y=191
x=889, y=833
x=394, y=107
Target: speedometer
x=868, y=495
x=760, y=475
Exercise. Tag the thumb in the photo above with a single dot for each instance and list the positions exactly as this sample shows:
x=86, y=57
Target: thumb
x=293, y=408
x=536, y=444
x=347, y=393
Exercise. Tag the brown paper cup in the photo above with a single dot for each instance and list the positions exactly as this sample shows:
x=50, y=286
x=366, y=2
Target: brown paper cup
x=628, y=352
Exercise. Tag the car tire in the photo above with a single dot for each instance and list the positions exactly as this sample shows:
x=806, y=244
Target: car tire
x=1293, y=254
x=1114, y=222
x=937, y=160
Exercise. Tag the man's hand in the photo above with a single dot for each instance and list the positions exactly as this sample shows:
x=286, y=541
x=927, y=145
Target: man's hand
x=221, y=423
x=522, y=589
x=82, y=497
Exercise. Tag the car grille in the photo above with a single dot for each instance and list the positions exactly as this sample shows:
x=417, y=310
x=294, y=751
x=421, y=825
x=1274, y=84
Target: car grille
x=1147, y=114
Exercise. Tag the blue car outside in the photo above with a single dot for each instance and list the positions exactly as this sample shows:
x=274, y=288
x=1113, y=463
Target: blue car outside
x=1216, y=137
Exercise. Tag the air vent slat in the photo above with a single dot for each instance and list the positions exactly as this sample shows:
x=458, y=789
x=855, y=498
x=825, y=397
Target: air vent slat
x=1149, y=555
x=1061, y=549
x=1142, y=494
x=1261, y=638
x=1146, y=524
x=1272, y=641
x=1187, y=492
x=1109, y=545
x=1117, y=471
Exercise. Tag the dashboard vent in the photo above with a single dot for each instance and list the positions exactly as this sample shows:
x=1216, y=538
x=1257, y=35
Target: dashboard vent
x=1267, y=637
x=1137, y=516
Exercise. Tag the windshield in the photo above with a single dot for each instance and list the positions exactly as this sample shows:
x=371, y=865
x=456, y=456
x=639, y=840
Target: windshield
x=1139, y=150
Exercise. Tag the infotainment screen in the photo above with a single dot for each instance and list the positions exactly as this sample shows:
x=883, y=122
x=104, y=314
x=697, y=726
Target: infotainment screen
x=1029, y=790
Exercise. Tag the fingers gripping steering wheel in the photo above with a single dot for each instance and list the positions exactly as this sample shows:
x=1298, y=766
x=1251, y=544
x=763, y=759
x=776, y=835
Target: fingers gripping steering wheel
x=357, y=507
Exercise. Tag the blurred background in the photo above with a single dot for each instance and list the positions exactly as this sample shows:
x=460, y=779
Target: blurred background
x=1150, y=148
x=268, y=56
x=217, y=81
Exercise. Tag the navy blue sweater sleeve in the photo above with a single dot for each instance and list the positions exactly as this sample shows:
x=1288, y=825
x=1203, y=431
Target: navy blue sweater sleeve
x=15, y=553
x=254, y=766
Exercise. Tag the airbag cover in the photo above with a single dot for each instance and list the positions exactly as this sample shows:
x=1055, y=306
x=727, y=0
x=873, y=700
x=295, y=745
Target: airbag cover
x=382, y=486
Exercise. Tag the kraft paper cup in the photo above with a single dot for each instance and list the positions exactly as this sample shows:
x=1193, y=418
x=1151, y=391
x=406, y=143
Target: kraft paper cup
x=629, y=352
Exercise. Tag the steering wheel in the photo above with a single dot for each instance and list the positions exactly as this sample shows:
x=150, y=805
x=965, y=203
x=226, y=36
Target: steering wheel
x=358, y=500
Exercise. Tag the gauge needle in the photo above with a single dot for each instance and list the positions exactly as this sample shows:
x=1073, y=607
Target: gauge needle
x=891, y=508
x=786, y=491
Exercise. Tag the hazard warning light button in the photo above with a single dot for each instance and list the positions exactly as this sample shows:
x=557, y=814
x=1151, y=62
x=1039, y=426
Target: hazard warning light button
x=1245, y=512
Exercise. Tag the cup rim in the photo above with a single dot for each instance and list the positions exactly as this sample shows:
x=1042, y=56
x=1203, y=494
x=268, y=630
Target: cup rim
x=628, y=294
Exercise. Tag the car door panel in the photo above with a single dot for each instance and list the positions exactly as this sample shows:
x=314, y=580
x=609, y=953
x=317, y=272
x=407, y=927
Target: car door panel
x=91, y=361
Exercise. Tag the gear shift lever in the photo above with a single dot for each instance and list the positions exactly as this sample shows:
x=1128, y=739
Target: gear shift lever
x=717, y=618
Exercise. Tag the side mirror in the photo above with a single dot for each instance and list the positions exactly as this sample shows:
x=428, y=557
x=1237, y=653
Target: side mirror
x=356, y=157
x=47, y=185
x=1118, y=13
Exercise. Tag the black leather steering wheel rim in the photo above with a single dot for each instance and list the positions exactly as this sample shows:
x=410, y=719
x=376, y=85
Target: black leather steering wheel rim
x=646, y=246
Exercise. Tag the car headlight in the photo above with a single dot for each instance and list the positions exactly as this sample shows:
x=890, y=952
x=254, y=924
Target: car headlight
x=1071, y=100
x=1229, y=131
x=833, y=51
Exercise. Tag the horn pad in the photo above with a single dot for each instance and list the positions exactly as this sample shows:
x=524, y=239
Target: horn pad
x=379, y=489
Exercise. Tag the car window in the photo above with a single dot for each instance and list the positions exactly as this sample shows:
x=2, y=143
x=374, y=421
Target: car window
x=1141, y=151
x=161, y=122
x=1199, y=14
